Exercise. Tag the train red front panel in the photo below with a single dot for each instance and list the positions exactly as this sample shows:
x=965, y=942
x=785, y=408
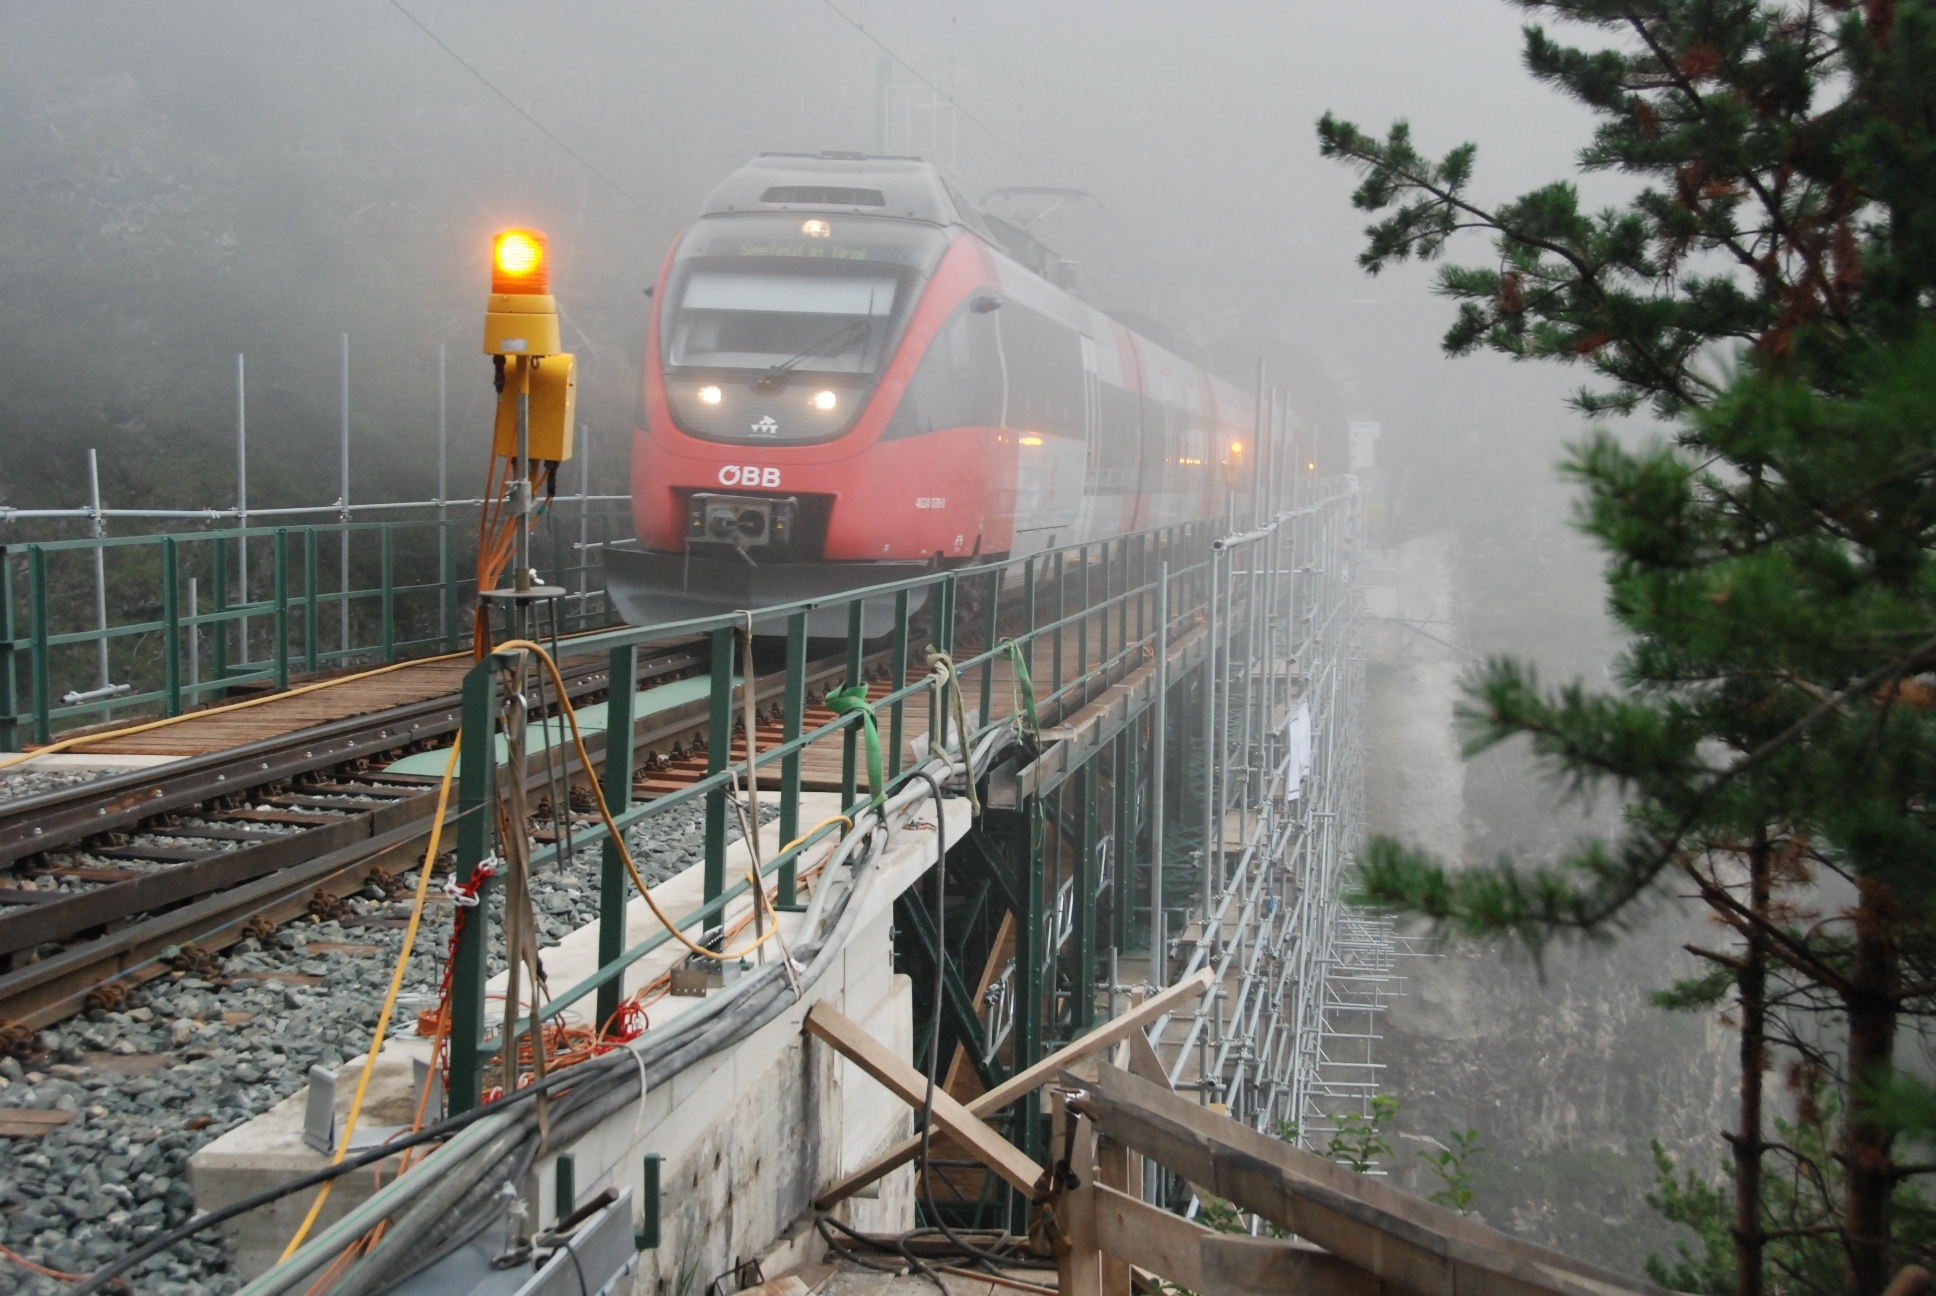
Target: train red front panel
x=950, y=491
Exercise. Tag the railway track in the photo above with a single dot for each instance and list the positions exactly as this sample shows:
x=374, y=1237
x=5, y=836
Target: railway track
x=108, y=876
x=110, y=883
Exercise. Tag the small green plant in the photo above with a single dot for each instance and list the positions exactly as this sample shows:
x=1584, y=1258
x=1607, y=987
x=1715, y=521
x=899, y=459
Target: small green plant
x=1359, y=1141
x=1220, y=1216
x=1449, y=1164
x=1286, y=1130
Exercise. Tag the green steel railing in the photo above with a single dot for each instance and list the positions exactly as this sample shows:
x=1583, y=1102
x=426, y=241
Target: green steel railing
x=1072, y=588
x=401, y=596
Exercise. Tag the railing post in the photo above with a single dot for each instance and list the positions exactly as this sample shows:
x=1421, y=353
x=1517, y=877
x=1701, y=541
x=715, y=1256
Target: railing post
x=37, y=627
x=613, y=886
x=719, y=754
x=1102, y=620
x=447, y=595
x=944, y=633
x=896, y=681
x=1083, y=1015
x=1122, y=770
x=311, y=659
x=993, y=636
x=9, y=679
x=282, y=607
x=476, y=773
x=851, y=734
x=1082, y=627
x=219, y=598
x=1028, y=617
x=1056, y=646
x=389, y=594
x=793, y=720
x=171, y=638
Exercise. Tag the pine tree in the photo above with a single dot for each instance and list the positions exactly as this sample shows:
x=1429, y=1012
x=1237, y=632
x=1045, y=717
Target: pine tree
x=1775, y=722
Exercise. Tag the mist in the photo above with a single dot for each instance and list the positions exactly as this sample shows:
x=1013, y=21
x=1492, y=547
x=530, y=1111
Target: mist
x=192, y=181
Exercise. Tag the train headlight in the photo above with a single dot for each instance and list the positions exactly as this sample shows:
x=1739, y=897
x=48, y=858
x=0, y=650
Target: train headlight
x=825, y=400
x=817, y=229
x=709, y=395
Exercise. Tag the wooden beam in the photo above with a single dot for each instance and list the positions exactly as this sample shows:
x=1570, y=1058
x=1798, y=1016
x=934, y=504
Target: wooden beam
x=1142, y=1061
x=1219, y=1264
x=910, y=1086
x=1412, y=1245
x=1036, y=1076
x=1079, y=1267
x=1149, y=1237
x=1231, y=1264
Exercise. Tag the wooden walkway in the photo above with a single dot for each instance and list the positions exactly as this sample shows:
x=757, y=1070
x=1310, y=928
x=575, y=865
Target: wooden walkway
x=220, y=730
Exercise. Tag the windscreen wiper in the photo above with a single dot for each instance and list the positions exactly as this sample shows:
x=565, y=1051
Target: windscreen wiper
x=775, y=378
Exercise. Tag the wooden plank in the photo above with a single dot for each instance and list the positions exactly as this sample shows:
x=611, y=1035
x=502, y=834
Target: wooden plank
x=1219, y=1264
x=1412, y=1245
x=910, y=1086
x=1143, y=1062
x=1148, y=1237
x=1230, y=1264
x=1036, y=1076
x=29, y=1122
x=1079, y=1269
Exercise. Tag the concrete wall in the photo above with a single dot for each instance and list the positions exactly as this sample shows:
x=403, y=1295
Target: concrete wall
x=749, y=1136
x=746, y=1138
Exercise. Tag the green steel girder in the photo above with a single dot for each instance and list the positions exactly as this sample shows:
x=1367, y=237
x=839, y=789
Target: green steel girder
x=990, y=855
x=912, y=916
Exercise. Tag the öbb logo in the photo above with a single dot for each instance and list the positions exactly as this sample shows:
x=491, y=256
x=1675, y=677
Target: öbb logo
x=749, y=475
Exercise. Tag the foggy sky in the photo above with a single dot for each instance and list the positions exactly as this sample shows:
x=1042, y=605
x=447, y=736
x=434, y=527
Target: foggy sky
x=202, y=178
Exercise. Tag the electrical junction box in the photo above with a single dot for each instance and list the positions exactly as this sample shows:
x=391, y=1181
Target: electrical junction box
x=554, y=407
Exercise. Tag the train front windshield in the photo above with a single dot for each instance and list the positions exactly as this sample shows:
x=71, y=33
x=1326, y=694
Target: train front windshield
x=766, y=296
x=813, y=322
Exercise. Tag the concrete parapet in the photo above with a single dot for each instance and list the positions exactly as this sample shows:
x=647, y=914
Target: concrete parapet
x=746, y=1138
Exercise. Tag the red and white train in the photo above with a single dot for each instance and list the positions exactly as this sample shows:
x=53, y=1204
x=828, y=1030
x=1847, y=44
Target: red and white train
x=853, y=376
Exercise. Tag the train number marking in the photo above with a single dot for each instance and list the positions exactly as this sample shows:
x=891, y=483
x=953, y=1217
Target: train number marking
x=931, y=502
x=749, y=475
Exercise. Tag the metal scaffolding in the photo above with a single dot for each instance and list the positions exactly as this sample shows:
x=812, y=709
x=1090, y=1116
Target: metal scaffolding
x=1284, y=1042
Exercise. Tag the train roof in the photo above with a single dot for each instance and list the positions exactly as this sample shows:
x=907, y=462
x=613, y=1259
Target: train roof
x=903, y=187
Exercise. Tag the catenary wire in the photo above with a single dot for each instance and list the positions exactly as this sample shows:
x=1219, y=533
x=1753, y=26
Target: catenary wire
x=539, y=126
x=973, y=120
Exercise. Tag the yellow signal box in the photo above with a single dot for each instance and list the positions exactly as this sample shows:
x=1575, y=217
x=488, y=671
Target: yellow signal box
x=553, y=385
x=521, y=331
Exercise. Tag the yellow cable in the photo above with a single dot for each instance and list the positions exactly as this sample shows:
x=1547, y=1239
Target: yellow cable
x=423, y=883
x=624, y=852
x=389, y=1001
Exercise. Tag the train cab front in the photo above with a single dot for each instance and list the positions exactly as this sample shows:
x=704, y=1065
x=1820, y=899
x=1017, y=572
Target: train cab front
x=766, y=356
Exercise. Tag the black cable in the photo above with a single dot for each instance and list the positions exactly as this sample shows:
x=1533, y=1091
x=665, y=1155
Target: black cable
x=348, y=1165
x=576, y=1076
x=934, y=1013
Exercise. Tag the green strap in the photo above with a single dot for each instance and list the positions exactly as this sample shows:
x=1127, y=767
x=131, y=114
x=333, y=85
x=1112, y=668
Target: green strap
x=1014, y=651
x=841, y=701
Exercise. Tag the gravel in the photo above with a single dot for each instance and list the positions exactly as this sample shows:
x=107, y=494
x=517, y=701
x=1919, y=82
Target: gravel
x=182, y=1061
x=18, y=783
